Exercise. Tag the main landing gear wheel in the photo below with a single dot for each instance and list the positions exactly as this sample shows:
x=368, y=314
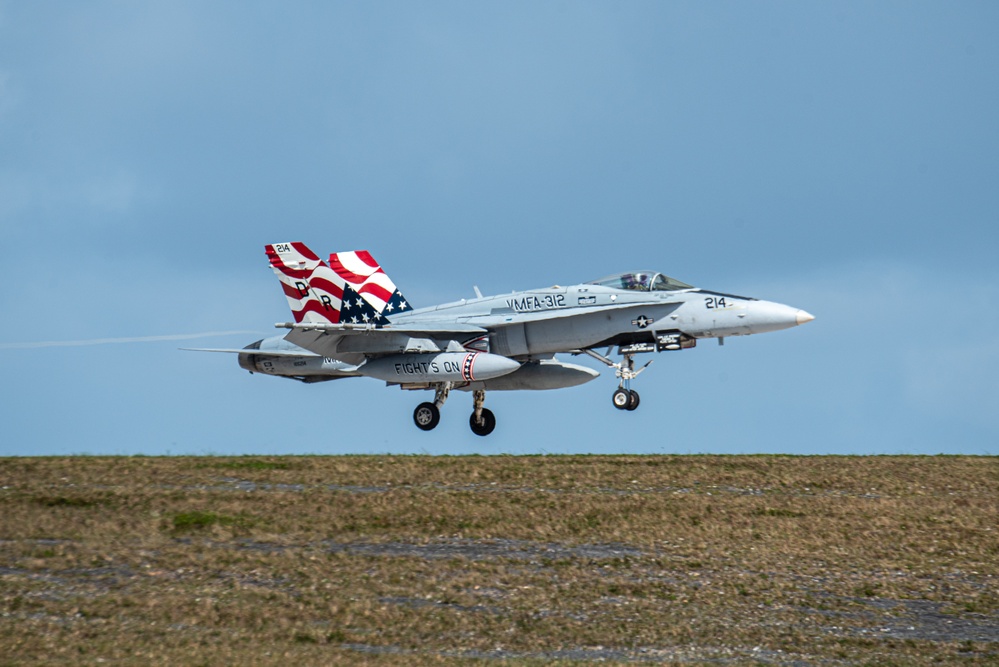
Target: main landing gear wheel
x=484, y=425
x=426, y=416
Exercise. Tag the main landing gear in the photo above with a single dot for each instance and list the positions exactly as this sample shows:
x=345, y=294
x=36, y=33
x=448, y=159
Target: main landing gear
x=624, y=398
x=428, y=415
x=482, y=421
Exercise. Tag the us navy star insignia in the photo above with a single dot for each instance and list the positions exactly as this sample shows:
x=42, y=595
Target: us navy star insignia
x=642, y=321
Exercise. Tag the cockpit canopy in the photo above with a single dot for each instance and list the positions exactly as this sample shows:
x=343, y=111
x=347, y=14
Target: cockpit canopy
x=642, y=281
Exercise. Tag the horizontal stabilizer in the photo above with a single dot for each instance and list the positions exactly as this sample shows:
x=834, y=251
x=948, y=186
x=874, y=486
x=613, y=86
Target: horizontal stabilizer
x=431, y=328
x=266, y=353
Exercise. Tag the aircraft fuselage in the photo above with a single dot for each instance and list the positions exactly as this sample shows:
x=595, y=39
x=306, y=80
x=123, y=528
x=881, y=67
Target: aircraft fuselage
x=559, y=319
x=351, y=320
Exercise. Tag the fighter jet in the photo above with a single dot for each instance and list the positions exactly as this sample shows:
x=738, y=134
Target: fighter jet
x=350, y=320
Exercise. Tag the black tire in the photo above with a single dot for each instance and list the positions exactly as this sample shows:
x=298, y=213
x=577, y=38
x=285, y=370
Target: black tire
x=426, y=416
x=621, y=399
x=487, y=425
x=633, y=400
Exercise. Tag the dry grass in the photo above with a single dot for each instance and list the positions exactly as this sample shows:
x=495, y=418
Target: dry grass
x=530, y=560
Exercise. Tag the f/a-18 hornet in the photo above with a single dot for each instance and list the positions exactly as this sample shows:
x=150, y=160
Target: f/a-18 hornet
x=351, y=320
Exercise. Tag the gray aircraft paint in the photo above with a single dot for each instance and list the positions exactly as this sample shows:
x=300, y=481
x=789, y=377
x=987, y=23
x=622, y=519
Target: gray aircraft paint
x=502, y=342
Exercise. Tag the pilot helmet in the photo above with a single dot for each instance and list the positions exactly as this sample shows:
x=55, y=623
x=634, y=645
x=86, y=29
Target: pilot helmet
x=635, y=281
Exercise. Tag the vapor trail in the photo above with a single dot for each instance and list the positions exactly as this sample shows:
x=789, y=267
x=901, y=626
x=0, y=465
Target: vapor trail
x=112, y=341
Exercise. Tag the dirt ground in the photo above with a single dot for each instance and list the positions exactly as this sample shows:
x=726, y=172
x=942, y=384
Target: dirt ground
x=561, y=560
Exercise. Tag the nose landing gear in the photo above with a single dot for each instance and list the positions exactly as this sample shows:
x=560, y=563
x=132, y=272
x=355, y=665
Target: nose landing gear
x=624, y=397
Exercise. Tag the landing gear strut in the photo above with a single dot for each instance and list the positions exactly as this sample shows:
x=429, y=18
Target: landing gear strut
x=624, y=398
x=428, y=415
x=482, y=421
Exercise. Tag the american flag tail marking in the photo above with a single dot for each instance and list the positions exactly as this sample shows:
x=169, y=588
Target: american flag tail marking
x=366, y=277
x=314, y=291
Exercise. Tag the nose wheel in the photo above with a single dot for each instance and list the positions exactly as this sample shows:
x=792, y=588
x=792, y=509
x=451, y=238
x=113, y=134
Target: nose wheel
x=625, y=399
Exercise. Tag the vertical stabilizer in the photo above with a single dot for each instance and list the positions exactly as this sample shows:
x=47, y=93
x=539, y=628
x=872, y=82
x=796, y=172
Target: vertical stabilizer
x=315, y=292
x=363, y=274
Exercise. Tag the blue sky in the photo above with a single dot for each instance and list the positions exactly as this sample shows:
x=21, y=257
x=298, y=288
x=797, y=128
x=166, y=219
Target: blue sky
x=841, y=157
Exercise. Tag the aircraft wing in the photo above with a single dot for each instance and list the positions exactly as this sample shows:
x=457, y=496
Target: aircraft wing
x=419, y=328
x=352, y=343
x=243, y=350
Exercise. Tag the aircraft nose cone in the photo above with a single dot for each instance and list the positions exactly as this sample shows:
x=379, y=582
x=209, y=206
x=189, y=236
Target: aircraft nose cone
x=762, y=316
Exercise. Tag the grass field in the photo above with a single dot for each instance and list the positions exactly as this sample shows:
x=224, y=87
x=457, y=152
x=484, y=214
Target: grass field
x=501, y=560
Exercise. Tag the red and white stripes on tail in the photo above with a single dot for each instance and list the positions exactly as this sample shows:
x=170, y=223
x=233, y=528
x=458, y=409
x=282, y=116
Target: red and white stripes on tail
x=360, y=270
x=313, y=289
